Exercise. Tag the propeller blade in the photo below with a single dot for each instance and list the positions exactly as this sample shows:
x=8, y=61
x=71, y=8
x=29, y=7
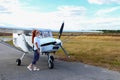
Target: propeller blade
x=61, y=30
x=66, y=53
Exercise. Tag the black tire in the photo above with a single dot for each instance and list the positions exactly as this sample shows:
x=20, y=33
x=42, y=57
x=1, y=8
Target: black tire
x=18, y=62
x=52, y=58
x=51, y=65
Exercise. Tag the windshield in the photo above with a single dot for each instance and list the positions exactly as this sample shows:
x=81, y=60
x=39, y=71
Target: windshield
x=46, y=34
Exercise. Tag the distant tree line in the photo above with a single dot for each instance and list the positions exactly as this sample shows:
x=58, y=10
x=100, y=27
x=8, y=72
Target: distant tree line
x=110, y=31
x=5, y=34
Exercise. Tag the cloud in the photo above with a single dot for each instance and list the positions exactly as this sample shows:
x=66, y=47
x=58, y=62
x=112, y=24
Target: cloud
x=3, y=10
x=75, y=17
x=9, y=6
x=72, y=10
x=52, y=20
x=100, y=23
x=104, y=12
x=103, y=1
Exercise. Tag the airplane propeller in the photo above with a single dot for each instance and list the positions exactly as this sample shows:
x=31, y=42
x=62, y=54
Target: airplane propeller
x=60, y=34
x=61, y=30
x=65, y=52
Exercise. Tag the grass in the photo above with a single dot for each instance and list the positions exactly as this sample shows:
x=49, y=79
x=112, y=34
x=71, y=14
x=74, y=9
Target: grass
x=10, y=42
x=94, y=50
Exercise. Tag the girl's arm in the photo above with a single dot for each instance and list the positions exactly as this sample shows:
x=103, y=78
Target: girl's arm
x=38, y=49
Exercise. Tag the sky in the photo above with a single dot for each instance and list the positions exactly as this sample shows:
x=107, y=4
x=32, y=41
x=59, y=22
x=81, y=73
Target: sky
x=50, y=14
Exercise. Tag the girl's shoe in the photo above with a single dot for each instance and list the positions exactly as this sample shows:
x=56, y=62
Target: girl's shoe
x=30, y=68
x=36, y=69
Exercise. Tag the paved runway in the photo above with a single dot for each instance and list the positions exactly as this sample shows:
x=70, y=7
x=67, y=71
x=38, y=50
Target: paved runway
x=62, y=71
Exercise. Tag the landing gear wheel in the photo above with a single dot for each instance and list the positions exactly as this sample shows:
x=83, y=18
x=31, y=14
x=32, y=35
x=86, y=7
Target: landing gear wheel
x=18, y=61
x=52, y=58
x=51, y=65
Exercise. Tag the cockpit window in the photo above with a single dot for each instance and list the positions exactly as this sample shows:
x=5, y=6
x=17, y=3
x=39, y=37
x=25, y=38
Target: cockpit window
x=43, y=34
x=28, y=34
x=46, y=34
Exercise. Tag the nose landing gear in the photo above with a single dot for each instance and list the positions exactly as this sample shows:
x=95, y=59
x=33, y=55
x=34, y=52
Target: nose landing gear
x=50, y=61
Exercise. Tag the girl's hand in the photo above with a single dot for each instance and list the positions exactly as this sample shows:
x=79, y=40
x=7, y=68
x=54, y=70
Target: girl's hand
x=38, y=50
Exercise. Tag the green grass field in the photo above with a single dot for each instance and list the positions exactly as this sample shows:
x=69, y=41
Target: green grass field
x=94, y=50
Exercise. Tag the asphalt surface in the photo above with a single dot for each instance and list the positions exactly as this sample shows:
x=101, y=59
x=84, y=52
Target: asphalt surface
x=62, y=70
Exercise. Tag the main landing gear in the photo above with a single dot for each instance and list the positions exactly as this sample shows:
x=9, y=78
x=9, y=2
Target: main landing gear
x=18, y=61
x=50, y=61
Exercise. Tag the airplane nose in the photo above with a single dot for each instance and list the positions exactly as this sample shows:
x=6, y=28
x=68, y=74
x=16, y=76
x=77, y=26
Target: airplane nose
x=58, y=41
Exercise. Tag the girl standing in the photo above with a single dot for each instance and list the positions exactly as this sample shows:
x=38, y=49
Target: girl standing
x=36, y=44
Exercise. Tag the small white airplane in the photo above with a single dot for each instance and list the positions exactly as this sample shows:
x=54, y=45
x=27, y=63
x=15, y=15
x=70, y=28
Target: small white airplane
x=22, y=38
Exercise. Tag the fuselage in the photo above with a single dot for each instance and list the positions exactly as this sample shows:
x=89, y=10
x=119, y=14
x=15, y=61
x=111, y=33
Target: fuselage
x=47, y=42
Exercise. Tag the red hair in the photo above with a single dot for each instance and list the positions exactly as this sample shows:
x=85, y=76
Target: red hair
x=33, y=35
